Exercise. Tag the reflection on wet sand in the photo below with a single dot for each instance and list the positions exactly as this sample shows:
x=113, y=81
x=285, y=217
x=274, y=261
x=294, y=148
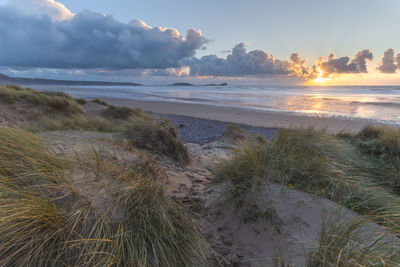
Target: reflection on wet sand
x=363, y=107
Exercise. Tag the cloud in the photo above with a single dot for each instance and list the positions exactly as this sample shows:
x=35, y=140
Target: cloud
x=44, y=34
x=298, y=66
x=54, y=38
x=55, y=10
x=345, y=65
x=388, y=62
x=260, y=64
x=239, y=63
x=398, y=61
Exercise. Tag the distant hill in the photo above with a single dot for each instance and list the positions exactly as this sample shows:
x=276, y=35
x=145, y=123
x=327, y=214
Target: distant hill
x=3, y=77
x=189, y=84
x=217, y=84
x=182, y=84
x=34, y=81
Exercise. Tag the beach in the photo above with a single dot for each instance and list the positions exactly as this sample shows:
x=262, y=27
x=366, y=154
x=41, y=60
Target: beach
x=254, y=118
x=335, y=109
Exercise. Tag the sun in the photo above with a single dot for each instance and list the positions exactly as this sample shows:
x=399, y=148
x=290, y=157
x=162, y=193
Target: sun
x=320, y=79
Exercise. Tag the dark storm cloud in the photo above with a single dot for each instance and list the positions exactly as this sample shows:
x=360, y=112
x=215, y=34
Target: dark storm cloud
x=90, y=40
x=388, y=62
x=239, y=63
x=345, y=65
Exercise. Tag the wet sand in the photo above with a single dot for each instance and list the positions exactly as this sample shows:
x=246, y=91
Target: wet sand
x=254, y=118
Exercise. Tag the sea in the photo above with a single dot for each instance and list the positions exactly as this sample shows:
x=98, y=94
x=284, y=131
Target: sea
x=380, y=103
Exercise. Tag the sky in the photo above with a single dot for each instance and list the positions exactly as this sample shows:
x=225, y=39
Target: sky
x=243, y=42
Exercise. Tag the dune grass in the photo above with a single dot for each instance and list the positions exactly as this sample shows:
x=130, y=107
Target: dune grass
x=80, y=122
x=21, y=154
x=246, y=173
x=383, y=143
x=99, y=101
x=55, y=101
x=47, y=219
x=358, y=171
x=380, y=141
x=117, y=112
x=157, y=135
x=81, y=101
x=318, y=163
x=141, y=130
x=354, y=243
x=239, y=136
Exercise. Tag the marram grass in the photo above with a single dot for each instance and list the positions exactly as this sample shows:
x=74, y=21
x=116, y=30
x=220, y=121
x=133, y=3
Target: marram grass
x=54, y=101
x=356, y=242
x=46, y=219
x=338, y=168
x=159, y=136
x=144, y=131
x=23, y=158
x=318, y=163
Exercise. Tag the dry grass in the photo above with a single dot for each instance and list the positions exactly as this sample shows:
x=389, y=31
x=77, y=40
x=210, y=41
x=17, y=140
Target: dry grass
x=383, y=144
x=99, y=101
x=383, y=141
x=354, y=243
x=318, y=163
x=159, y=136
x=246, y=173
x=80, y=123
x=337, y=168
x=81, y=101
x=123, y=113
x=22, y=154
x=141, y=129
x=6, y=95
x=55, y=101
x=240, y=136
x=48, y=219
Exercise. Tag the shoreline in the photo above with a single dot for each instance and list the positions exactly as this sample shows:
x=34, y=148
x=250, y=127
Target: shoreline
x=247, y=117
